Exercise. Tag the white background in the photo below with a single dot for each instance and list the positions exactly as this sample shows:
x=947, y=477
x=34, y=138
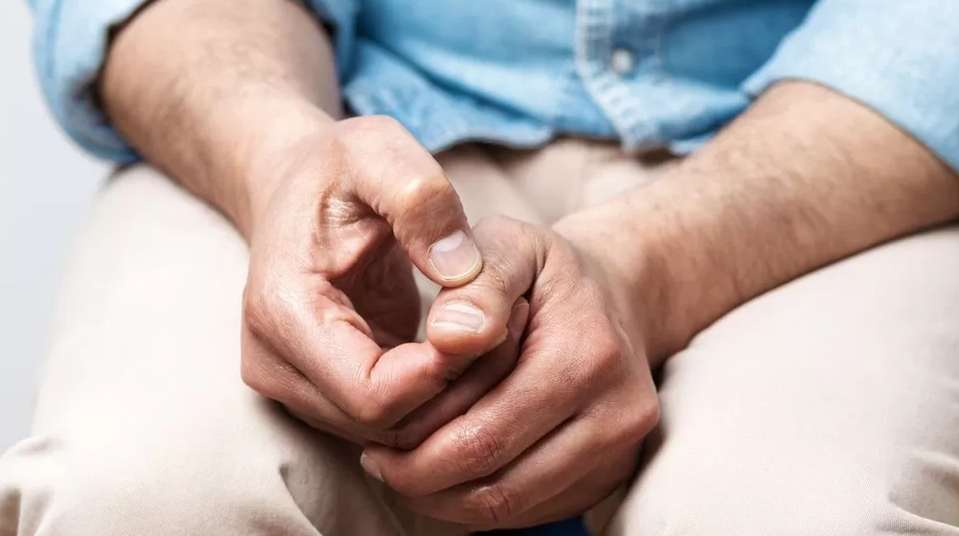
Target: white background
x=46, y=186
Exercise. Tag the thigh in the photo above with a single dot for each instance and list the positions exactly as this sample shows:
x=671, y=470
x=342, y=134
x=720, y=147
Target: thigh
x=828, y=406
x=572, y=174
x=485, y=186
x=142, y=415
x=143, y=425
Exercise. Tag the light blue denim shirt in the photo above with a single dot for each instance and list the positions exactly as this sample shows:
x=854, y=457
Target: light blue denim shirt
x=519, y=72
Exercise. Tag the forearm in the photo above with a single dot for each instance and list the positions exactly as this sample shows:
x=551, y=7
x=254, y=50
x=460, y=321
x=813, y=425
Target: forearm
x=207, y=89
x=804, y=178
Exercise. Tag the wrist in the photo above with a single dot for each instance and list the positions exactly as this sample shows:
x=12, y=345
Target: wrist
x=263, y=156
x=229, y=151
x=637, y=270
x=207, y=103
x=243, y=150
x=805, y=177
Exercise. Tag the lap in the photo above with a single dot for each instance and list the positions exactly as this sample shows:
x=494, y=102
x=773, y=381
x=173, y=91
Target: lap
x=825, y=406
x=143, y=425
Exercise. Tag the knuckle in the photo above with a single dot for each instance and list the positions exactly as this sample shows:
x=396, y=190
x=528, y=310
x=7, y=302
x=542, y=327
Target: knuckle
x=635, y=426
x=425, y=190
x=256, y=361
x=648, y=416
x=436, y=373
x=497, y=504
x=266, y=373
x=369, y=414
x=477, y=452
x=258, y=309
x=358, y=129
x=500, y=225
x=498, y=272
x=266, y=304
x=608, y=350
x=253, y=376
x=559, y=287
x=599, y=362
x=372, y=412
x=382, y=124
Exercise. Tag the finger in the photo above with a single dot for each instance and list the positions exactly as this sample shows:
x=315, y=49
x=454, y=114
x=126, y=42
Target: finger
x=274, y=378
x=535, y=486
x=323, y=426
x=565, y=361
x=578, y=498
x=402, y=183
x=400, y=380
x=322, y=337
x=482, y=376
x=467, y=318
x=384, y=294
x=527, y=405
x=495, y=501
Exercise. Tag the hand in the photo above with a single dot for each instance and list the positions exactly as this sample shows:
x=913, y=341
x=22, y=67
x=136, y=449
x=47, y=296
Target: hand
x=330, y=306
x=563, y=430
x=334, y=212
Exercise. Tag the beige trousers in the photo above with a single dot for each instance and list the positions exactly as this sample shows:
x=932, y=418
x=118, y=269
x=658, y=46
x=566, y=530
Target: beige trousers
x=829, y=406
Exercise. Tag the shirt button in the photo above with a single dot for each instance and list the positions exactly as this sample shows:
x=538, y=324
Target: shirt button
x=622, y=61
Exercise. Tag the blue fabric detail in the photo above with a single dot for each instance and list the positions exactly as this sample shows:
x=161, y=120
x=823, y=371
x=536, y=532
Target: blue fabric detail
x=520, y=72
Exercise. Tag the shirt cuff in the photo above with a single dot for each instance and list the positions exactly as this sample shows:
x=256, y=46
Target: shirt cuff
x=70, y=46
x=899, y=58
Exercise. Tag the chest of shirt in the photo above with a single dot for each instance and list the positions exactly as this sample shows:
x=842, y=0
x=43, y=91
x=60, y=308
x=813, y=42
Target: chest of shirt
x=714, y=41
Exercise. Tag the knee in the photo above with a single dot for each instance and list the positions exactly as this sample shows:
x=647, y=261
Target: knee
x=51, y=487
x=722, y=494
x=25, y=476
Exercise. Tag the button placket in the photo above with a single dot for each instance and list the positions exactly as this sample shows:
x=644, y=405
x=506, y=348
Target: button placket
x=622, y=61
x=599, y=63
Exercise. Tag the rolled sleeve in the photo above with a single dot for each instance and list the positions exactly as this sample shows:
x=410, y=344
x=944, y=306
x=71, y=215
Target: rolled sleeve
x=899, y=58
x=70, y=46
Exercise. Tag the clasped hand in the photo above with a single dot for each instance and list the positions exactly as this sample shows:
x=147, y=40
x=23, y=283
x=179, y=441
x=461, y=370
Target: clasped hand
x=562, y=430
x=530, y=397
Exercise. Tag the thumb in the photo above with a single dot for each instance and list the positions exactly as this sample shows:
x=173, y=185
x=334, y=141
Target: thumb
x=468, y=319
x=429, y=223
x=406, y=186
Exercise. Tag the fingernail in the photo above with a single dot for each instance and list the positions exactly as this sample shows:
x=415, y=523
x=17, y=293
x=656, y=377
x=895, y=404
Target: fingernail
x=370, y=467
x=460, y=316
x=455, y=256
